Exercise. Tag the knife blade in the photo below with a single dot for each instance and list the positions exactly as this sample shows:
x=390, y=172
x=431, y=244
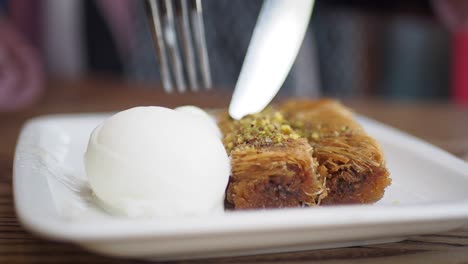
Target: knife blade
x=277, y=37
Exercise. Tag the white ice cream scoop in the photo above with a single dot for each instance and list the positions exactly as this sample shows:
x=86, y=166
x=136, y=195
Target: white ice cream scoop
x=155, y=161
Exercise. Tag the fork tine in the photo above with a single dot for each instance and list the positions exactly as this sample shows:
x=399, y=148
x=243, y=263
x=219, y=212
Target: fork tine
x=157, y=32
x=199, y=34
x=170, y=35
x=188, y=45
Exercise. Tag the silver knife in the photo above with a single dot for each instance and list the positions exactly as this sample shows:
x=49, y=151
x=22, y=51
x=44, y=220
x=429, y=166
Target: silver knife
x=275, y=42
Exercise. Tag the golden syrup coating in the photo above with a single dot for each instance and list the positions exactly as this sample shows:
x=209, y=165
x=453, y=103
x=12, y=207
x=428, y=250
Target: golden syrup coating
x=302, y=153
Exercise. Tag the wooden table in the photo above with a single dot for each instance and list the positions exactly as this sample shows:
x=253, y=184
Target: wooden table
x=442, y=124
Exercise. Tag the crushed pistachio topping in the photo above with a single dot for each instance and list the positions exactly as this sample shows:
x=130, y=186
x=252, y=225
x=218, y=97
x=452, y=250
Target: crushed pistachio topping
x=266, y=128
x=315, y=136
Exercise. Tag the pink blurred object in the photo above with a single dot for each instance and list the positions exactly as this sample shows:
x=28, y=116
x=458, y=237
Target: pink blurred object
x=25, y=15
x=454, y=14
x=21, y=75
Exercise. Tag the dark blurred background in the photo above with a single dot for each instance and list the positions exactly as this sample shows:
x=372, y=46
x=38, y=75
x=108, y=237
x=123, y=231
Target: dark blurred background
x=397, y=49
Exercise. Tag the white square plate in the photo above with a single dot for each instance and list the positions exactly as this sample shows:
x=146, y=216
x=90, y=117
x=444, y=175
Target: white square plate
x=429, y=194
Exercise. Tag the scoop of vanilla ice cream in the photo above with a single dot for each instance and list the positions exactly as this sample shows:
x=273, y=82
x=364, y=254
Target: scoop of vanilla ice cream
x=155, y=161
x=204, y=116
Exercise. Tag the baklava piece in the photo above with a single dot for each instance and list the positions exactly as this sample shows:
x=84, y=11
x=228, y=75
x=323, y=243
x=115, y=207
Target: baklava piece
x=350, y=160
x=272, y=165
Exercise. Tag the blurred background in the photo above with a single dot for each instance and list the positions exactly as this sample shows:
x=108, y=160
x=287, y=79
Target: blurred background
x=406, y=50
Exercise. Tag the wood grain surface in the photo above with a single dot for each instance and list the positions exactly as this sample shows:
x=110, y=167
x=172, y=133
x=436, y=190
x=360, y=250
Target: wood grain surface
x=440, y=123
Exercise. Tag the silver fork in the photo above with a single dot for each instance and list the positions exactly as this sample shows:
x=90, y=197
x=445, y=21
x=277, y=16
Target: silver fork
x=171, y=20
